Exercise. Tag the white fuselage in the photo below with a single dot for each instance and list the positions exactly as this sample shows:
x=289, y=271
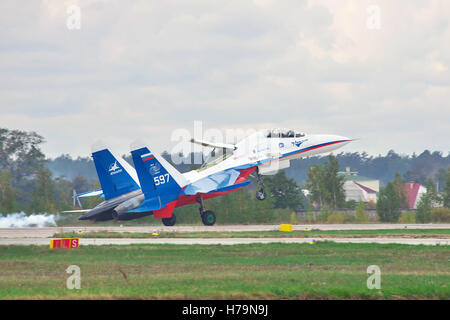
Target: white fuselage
x=270, y=154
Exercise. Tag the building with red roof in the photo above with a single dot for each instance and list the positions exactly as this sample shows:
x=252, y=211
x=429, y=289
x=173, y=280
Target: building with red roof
x=413, y=193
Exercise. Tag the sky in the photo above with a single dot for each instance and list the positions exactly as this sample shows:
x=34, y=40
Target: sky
x=79, y=71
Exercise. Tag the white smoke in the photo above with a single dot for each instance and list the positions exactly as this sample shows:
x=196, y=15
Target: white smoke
x=18, y=220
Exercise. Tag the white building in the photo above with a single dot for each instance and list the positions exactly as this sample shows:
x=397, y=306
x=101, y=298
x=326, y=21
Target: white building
x=360, y=188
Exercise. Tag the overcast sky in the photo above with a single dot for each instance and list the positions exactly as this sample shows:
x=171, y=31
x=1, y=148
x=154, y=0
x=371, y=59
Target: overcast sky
x=374, y=70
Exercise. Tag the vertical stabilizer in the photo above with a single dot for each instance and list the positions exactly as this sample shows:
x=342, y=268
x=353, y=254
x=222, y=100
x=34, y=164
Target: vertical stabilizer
x=116, y=176
x=158, y=178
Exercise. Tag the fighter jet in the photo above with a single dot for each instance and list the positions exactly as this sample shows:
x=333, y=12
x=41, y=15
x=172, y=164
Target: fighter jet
x=156, y=188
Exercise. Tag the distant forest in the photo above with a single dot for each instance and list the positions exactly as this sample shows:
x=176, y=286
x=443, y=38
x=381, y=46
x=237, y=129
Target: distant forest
x=32, y=183
x=415, y=168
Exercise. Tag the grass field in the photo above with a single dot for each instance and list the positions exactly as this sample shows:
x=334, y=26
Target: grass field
x=325, y=270
x=406, y=233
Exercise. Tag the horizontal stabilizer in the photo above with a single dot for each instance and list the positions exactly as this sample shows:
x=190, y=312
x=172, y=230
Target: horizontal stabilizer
x=151, y=204
x=89, y=194
x=76, y=211
x=159, y=209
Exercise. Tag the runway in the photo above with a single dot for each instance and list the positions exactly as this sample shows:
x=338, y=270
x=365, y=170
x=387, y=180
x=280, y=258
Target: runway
x=225, y=241
x=46, y=232
x=40, y=236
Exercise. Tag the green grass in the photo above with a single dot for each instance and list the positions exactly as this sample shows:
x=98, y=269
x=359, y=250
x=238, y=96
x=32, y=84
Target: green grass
x=257, y=271
x=410, y=233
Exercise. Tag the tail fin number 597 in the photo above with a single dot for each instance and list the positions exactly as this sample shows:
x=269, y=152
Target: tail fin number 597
x=164, y=178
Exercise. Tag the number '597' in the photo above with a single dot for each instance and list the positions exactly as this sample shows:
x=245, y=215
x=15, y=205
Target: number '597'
x=164, y=178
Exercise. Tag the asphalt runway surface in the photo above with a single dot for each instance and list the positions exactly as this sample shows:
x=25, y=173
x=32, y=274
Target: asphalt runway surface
x=46, y=232
x=40, y=236
x=224, y=241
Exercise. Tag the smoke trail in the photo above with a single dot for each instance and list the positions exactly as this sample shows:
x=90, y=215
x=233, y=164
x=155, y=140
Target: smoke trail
x=18, y=220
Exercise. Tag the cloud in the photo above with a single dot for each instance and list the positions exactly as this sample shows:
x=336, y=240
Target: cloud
x=141, y=69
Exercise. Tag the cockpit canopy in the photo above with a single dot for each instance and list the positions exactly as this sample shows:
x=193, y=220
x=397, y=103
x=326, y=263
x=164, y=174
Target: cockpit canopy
x=284, y=133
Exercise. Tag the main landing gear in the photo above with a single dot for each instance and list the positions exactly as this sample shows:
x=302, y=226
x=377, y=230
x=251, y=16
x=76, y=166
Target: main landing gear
x=169, y=222
x=261, y=193
x=208, y=216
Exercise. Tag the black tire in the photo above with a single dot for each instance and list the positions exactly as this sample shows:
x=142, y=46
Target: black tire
x=261, y=194
x=208, y=218
x=169, y=222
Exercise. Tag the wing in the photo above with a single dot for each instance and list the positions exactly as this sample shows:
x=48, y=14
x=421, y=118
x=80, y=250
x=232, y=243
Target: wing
x=213, y=182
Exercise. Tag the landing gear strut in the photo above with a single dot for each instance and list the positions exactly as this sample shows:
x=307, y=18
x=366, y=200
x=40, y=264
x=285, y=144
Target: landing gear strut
x=208, y=216
x=261, y=193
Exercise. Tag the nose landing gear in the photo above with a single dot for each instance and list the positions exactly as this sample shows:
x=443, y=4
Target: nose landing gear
x=261, y=193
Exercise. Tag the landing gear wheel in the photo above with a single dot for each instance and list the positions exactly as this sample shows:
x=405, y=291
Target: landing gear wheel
x=169, y=222
x=208, y=218
x=261, y=194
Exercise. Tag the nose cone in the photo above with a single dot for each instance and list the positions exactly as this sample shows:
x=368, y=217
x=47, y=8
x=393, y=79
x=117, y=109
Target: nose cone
x=328, y=143
x=322, y=143
x=335, y=139
x=337, y=142
x=342, y=141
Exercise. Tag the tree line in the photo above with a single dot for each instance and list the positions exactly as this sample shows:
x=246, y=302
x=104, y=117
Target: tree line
x=31, y=183
x=432, y=206
x=26, y=184
x=326, y=191
x=412, y=168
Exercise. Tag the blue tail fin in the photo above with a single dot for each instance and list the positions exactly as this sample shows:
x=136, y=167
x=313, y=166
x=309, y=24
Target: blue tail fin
x=158, y=178
x=116, y=176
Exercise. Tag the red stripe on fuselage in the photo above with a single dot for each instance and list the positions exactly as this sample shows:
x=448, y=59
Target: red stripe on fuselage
x=316, y=147
x=149, y=158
